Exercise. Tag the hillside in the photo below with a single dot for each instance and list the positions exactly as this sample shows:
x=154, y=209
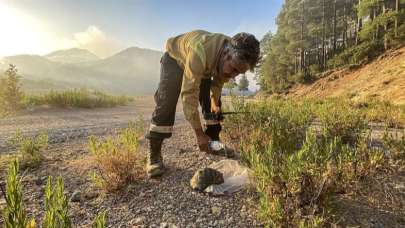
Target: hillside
x=74, y=55
x=133, y=71
x=384, y=79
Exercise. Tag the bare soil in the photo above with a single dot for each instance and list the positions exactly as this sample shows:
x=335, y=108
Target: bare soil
x=382, y=79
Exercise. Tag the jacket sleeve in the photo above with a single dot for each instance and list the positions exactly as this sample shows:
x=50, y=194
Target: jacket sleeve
x=193, y=73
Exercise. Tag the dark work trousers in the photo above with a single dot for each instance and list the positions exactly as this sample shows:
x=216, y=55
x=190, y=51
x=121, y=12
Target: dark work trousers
x=166, y=97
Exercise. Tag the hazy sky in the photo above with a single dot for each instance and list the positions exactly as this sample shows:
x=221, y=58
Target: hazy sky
x=105, y=27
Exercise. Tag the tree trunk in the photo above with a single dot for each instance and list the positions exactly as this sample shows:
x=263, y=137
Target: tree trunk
x=375, y=36
x=344, y=35
x=385, y=29
x=358, y=26
x=334, y=27
x=302, y=52
x=323, y=35
x=396, y=19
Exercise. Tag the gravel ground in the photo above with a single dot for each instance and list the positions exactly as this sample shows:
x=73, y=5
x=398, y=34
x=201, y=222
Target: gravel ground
x=165, y=202
x=168, y=201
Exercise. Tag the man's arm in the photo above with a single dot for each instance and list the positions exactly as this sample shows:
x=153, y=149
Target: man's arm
x=193, y=73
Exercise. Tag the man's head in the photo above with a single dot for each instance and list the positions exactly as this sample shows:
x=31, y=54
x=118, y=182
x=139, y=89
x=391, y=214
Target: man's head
x=241, y=54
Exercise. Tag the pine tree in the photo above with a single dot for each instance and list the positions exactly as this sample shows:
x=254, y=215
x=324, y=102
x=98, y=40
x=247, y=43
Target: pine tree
x=243, y=83
x=11, y=96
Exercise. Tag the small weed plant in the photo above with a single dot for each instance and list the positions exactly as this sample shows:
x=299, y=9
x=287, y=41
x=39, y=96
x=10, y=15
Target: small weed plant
x=118, y=158
x=29, y=149
x=14, y=213
x=56, y=204
x=100, y=220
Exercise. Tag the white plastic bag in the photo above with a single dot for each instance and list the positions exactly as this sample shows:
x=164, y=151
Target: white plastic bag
x=235, y=175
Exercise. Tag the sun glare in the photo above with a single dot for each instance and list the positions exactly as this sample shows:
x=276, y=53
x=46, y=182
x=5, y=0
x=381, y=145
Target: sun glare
x=21, y=33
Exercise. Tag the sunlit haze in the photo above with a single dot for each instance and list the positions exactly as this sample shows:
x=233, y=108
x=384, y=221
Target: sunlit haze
x=39, y=27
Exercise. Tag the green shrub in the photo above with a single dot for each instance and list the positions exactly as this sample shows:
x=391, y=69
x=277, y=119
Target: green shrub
x=118, y=159
x=11, y=96
x=339, y=119
x=298, y=169
x=81, y=98
x=14, y=214
x=56, y=206
x=29, y=149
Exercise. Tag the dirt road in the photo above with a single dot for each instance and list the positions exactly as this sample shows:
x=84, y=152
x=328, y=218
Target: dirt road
x=74, y=123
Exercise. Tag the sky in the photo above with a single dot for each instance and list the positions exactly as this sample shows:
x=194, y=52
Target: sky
x=105, y=26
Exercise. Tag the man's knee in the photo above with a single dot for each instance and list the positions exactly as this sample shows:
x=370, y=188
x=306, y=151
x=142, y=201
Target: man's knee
x=159, y=132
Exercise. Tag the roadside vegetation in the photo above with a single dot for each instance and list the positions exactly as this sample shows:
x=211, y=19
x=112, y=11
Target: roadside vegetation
x=118, y=159
x=55, y=202
x=13, y=100
x=299, y=168
x=81, y=98
x=118, y=163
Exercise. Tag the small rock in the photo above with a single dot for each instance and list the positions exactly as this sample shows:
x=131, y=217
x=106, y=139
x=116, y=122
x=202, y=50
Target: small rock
x=206, y=177
x=76, y=196
x=167, y=225
x=91, y=195
x=216, y=210
x=40, y=180
x=139, y=220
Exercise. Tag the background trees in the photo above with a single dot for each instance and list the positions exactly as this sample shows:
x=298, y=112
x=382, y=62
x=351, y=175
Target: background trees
x=318, y=35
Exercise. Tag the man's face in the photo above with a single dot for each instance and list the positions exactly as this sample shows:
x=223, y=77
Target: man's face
x=232, y=67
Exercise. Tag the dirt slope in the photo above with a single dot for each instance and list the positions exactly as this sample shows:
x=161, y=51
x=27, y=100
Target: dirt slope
x=383, y=79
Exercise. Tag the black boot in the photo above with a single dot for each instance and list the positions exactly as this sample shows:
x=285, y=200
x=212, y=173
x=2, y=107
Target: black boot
x=213, y=131
x=154, y=164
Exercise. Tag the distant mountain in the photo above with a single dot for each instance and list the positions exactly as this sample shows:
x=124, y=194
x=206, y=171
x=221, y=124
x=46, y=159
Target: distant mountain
x=133, y=71
x=74, y=55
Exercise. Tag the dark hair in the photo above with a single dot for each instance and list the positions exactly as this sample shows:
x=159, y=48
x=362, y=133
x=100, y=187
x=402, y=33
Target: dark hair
x=246, y=48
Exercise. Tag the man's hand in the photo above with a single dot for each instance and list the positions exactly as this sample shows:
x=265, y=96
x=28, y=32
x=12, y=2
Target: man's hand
x=202, y=140
x=214, y=106
x=215, y=109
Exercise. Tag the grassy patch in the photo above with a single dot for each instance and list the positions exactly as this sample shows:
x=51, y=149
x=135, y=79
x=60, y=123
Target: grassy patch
x=382, y=112
x=81, y=98
x=118, y=159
